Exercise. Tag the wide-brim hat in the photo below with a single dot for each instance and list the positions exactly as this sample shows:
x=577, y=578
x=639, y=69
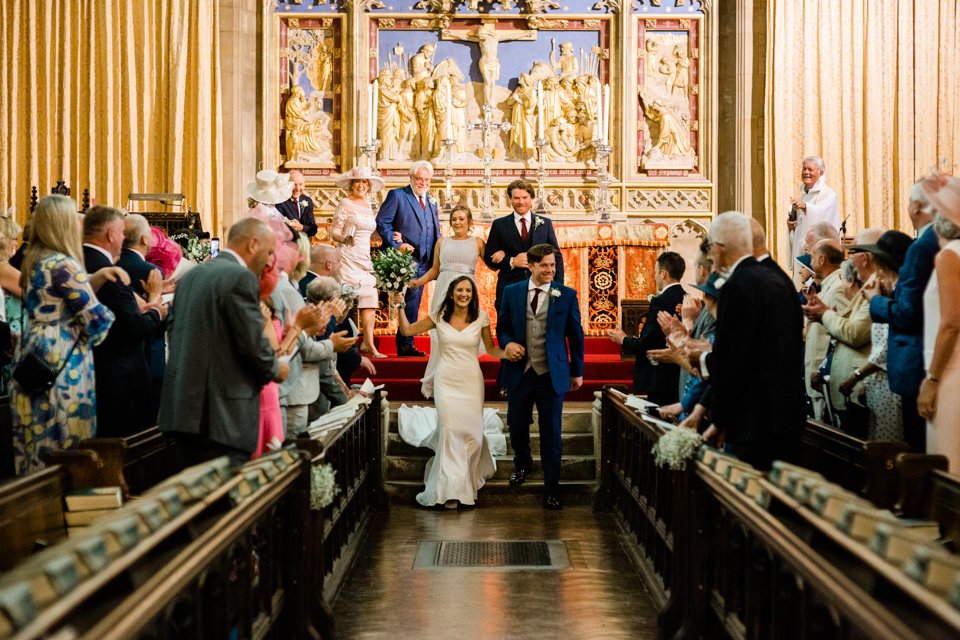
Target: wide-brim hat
x=806, y=260
x=945, y=199
x=891, y=247
x=270, y=187
x=360, y=173
x=710, y=286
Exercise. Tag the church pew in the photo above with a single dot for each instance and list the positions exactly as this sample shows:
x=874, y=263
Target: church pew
x=929, y=492
x=746, y=559
x=31, y=508
x=138, y=461
x=6, y=439
x=211, y=552
x=861, y=466
x=336, y=531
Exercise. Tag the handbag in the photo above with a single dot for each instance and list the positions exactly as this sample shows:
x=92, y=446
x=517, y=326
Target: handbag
x=35, y=375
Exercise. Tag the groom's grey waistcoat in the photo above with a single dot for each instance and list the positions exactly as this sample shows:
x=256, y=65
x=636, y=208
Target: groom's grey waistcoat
x=537, y=335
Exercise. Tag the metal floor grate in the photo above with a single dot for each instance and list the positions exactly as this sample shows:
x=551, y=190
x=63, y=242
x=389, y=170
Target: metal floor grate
x=511, y=554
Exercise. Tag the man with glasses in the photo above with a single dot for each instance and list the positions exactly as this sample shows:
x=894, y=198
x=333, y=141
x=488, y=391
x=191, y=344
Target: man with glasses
x=407, y=220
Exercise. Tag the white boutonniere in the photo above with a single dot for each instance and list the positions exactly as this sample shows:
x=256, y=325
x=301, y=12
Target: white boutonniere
x=432, y=200
x=651, y=297
x=537, y=221
x=555, y=293
x=719, y=282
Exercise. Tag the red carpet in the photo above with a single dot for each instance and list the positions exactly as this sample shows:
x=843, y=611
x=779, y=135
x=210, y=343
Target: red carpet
x=602, y=366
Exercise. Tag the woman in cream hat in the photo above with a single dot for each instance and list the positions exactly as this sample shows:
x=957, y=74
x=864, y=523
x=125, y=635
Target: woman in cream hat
x=269, y=188
x=353, y=224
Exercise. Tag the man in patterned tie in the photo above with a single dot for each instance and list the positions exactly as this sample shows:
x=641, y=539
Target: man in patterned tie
x=511, y=236
x=407, y=220
x=298, y=210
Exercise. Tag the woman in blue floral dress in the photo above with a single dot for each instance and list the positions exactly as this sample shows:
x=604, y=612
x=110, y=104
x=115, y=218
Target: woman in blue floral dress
x=61, y=310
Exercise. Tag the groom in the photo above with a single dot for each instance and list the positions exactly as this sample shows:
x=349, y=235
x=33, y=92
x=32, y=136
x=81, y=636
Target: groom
x=538, y=321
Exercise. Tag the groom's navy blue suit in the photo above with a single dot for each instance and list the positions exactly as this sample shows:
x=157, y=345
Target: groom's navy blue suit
x=525, y=387
x=420, y=228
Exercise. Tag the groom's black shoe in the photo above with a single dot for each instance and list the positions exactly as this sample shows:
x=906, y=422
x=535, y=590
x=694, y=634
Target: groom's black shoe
x=553, y=503
x=410, y=352
x=518, y=477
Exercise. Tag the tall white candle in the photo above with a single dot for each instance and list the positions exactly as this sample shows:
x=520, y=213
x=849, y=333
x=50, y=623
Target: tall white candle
x=373, y=110
x=606, y=114
x=448, y=118
x=539, y=109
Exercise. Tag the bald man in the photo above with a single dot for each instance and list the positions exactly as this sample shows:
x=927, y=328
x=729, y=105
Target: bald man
x=298, y=210
x=324, y=261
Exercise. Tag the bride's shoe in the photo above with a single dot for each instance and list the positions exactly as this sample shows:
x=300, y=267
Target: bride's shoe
x=451, y=504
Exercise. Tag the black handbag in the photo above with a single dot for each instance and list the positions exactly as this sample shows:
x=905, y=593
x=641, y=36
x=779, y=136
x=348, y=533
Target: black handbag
x=35, y=375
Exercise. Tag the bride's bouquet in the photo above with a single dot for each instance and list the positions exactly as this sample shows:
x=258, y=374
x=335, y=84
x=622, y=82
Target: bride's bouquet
x=393, y=269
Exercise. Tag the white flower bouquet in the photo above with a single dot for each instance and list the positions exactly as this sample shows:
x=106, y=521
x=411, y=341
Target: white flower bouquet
x=675, y=447
x=194, y=249
x=323, y=486
x=393, y=269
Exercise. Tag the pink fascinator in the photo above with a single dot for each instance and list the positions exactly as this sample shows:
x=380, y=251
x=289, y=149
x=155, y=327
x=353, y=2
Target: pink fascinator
x=286, y=251
x=164, y=252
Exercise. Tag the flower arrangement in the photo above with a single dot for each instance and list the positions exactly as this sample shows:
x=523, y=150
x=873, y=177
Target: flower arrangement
x=675, y=447
x=393, y=269
x=194, y=249
x=323, y=486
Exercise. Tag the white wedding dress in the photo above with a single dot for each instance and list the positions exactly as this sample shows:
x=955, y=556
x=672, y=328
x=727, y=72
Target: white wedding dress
x=463, y=454
x=457, y=258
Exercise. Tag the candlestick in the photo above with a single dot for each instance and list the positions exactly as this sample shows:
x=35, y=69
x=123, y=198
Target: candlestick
x=606, y=114
x=539, y=108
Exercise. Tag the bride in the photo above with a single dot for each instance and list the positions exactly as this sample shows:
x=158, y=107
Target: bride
x=463, y=461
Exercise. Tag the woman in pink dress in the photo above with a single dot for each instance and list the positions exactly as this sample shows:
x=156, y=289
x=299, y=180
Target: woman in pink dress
x=271, y=419
x=353, y=225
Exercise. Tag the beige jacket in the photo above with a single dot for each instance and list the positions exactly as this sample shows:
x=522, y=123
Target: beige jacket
x=851, y=328
x=818, y=340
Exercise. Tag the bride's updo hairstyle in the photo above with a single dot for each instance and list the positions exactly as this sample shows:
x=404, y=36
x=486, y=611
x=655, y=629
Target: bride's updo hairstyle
x=473, y=309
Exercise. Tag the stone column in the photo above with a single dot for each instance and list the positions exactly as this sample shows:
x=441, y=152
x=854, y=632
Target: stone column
x=742, y=71
x=239, y=84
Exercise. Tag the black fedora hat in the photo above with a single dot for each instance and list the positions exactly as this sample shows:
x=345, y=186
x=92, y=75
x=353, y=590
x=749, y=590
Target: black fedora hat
x=890, y=248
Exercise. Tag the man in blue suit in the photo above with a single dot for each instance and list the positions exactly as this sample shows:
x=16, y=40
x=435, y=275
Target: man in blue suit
x=539, y=329
x=512, y=235
x=408, y=220
x=904, y=313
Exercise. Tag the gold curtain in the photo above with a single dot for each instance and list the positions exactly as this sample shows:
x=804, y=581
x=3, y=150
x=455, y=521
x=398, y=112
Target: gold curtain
x=117, y=97
x=870, y=86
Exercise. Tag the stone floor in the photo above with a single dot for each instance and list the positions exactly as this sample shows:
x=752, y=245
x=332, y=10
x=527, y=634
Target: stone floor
x=387, y=597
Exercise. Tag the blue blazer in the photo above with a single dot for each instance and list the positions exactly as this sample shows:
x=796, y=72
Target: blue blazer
x=401, y=212
x=563, y=331
x=904, y=314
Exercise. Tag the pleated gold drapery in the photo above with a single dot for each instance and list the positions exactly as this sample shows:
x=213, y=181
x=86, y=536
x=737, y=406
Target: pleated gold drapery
x=872, y=87
x=117, y=97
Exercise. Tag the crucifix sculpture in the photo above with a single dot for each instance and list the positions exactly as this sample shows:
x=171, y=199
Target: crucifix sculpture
x=487, y=126
x=488, y=37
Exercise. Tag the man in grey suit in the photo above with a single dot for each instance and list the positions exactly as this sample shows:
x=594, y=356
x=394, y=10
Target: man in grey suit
x=219, y=357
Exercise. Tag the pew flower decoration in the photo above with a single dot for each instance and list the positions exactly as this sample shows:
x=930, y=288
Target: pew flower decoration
x=675, y=447
x=194, y=249
x=323, y=486
x=393, y=269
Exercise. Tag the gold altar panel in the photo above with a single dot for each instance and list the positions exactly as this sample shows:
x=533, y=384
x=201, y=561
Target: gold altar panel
x=638, y=270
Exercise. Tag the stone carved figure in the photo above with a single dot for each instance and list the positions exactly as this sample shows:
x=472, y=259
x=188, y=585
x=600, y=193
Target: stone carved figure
x=307, y=128
x=673, y=140
x=522, y=105
x=388, y=113
x=489, y=37
x=681, y=73
x=567, y=65
x=407, y=112
x=322, y=68
x=563, y=144
x=459, y=115
x=421, y=64
x=426, y=122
